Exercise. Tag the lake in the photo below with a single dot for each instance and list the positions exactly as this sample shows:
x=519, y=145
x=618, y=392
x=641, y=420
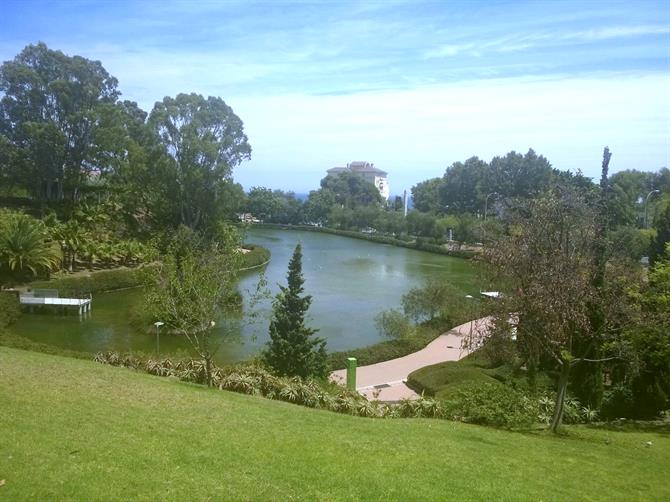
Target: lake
x=350, y=280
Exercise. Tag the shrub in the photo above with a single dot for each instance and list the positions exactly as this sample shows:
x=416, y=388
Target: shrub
x=496, y=405
x=10, y=309
x=95, y=282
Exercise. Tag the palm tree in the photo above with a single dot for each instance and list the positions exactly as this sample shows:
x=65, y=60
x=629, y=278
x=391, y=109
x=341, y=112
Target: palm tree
x=24, y=248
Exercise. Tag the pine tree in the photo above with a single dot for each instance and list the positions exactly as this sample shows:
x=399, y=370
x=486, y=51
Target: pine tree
x=292, y=349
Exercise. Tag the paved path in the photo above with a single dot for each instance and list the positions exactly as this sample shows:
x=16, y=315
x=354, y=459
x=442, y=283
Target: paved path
x=388, y=377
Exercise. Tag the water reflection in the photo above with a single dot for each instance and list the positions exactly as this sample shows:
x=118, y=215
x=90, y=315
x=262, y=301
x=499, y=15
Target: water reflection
x=350, y=281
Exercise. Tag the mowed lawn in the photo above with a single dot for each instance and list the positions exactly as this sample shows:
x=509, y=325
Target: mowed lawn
x=73, y=429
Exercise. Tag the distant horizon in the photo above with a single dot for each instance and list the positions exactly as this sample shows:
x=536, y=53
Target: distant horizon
x=412, y=86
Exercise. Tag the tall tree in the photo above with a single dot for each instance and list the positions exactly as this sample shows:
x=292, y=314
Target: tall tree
x=51, y=113
x=459, y=191
x=205, y=140
x=293, y=349
x=550, y=263
x=426, y=196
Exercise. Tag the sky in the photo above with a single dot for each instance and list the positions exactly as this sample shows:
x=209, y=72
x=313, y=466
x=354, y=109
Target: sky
x=411, y=86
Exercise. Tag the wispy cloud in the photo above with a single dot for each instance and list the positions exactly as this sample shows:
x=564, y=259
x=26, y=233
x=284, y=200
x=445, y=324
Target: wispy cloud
x=524, y=42
x=402, y=83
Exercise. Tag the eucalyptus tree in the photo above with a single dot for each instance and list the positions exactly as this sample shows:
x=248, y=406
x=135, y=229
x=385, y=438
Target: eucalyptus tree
x=204, y=141
x=50, y=113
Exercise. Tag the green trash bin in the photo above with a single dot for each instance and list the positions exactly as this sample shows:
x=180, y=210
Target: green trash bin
x=351, y=373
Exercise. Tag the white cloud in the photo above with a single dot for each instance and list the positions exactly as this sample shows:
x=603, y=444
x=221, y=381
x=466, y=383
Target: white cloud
x=415, y=134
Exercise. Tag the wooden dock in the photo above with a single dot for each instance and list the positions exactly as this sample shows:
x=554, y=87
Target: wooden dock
x=82, y=304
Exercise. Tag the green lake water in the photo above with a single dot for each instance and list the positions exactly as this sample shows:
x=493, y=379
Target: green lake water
x=350, y=281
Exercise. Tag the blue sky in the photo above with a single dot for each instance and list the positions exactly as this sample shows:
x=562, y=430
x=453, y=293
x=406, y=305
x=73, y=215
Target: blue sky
x=409, y=85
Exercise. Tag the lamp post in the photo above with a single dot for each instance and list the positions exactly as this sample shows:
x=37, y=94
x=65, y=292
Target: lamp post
x=470, y=297
x=646, y=199
x=158, y=325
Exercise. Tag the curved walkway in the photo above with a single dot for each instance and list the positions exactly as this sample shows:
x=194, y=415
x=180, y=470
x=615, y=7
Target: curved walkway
x=387, y=379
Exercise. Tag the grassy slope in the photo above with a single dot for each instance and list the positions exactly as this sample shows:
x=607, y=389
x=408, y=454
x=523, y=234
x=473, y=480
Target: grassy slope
x=75, y=429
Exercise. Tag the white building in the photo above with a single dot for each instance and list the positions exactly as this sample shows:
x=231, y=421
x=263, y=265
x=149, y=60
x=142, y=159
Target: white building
x=368, y=172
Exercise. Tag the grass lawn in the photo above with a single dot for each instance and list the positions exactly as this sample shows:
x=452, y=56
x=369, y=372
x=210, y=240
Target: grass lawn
x=73, y=429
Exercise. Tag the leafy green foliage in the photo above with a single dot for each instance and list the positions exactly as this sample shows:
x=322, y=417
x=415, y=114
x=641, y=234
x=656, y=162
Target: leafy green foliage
x=491, y=404
x=431, y=300
x=190, y=285
x=82, y=284
x=292, y=349
x=205, y=140
x=10, y=309
x=25, y=249
x=351, y=191
x=393, y=324
x=51, y=113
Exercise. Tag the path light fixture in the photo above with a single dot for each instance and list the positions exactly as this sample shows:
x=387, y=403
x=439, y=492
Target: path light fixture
x=470, y=297
x=646, y=199
x=158, y=325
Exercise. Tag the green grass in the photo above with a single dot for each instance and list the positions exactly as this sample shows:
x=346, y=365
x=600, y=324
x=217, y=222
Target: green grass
x=73, y=429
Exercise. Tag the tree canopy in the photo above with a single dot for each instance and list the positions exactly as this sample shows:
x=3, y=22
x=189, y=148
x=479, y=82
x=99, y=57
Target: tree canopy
x=205, y=140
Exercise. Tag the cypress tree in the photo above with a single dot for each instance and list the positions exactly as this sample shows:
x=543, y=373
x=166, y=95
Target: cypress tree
x=293, y=350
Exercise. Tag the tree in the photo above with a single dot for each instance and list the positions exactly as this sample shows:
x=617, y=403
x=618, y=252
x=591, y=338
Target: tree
x=293, y=350
x=517, y=175
x=552, y=260
x=459, y=189
x=194, y=280
x=205, y=140
x=662, y=226
x=641, y=380
x=427, y=302
x=352, y=191
x=274, y=206
x=318, y=206
x=426, y=196
x=51, y=113
x=393, y=324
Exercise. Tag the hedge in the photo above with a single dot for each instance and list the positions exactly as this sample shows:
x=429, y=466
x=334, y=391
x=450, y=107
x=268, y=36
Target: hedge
x=420, y=244
x=94, y=282
x=10, y=309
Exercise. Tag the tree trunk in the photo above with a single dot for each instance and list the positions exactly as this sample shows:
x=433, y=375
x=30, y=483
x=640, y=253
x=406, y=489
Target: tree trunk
x=559, y=404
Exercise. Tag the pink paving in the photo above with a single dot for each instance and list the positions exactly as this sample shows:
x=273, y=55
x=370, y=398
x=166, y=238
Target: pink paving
x=393, y=374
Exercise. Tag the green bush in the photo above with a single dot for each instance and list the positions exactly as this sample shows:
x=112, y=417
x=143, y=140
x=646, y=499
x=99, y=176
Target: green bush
x=94, y=282
x=445, y=379
x=492, y=404
x=10, y=309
